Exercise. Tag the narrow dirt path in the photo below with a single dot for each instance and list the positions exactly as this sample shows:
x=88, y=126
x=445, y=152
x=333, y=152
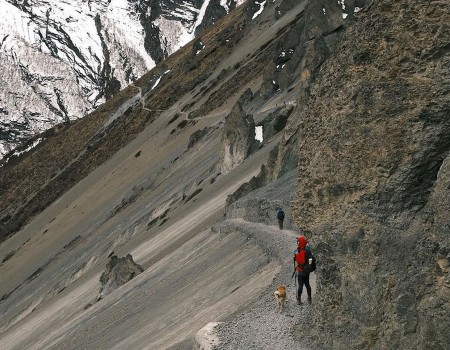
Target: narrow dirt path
x=260, y=326
x=177, y=108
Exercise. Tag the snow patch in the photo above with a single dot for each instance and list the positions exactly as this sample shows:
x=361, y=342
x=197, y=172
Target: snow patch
x=342, y=3
x=261, y=8
x=30, y=147
x=201, y=14
x=201, y=48
x=224, y=4
x=12, y=19
x=259, y=133
x=159, y=79
x=156, y=82
x=173, y=33
x=198, y=51
x=184, y=11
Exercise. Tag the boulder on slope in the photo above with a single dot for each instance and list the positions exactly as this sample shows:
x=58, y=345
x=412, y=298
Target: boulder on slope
x=118, y=272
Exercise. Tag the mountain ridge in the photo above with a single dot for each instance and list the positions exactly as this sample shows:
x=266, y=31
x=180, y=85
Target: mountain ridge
x=61, y=60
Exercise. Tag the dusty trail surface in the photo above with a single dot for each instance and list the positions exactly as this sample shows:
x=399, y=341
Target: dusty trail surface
x=260, y=326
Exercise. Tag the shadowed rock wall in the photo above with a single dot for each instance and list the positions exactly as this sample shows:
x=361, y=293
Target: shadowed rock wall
x=374, y=181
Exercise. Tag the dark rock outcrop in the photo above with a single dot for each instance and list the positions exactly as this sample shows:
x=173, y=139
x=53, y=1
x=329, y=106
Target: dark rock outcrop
x=118, y=272
x=276, y=121
x=297, y=58
x=258, y=199
x=268, y=87
x=255, y=182
x=246, y=97
x=374, y=180
x=197, y=46
x=282, y=159
x=197, y=136
x=213, y=13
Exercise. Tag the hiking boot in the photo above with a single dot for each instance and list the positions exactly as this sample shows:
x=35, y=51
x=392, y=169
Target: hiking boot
x=309, y=300
x=299, y=301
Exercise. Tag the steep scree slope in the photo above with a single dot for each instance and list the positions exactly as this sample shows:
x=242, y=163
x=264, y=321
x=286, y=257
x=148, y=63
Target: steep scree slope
x=132, y=178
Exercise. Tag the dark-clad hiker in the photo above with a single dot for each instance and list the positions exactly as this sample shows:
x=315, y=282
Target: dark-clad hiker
x=280, y=217
x=303, y=261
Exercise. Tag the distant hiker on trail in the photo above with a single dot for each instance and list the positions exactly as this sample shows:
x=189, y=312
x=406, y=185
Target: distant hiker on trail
x=304, y=263
x=280, y=217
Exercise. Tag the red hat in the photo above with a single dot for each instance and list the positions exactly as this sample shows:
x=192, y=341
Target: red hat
x=302, y=242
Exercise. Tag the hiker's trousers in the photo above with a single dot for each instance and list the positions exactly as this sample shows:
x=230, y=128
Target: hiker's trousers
x=280, y=223
x=303, y=279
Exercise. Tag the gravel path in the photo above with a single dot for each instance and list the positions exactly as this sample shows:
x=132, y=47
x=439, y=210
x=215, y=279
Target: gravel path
x=260, y=326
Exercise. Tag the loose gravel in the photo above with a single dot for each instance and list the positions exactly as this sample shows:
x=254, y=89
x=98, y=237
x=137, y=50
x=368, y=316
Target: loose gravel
x=260, y=325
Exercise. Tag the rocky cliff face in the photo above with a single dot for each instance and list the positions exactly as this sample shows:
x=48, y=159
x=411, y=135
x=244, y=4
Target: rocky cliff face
x=374, y=180
x=297, y=57
x=59, y=61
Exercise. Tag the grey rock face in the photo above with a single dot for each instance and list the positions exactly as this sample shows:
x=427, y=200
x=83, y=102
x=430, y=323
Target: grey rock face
x=238, y=138
x=297, y=57
x=258, y=199
x=118, y=272
x=214, y=11
x=255, y=182
x=373, y=173
x=282, y=159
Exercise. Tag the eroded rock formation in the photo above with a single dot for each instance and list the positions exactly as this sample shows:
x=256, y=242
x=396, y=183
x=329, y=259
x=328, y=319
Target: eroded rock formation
x=238, y=138
x=118, y=272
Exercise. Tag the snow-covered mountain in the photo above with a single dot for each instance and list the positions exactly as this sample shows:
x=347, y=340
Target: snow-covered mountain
x=60, y=59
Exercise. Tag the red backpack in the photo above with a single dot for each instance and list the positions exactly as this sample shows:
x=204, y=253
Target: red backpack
x=310, y=261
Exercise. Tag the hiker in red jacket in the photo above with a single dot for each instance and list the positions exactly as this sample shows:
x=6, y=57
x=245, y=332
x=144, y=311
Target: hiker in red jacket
x=301, y=261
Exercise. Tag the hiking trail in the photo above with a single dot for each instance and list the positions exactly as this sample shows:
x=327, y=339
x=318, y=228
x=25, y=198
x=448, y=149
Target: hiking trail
x=260, y=326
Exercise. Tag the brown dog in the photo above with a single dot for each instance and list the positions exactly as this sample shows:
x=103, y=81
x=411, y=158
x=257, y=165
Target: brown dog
x=280, y=297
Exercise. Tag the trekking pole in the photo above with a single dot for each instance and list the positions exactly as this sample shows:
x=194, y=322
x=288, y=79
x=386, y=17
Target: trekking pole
x=296, y=290
x=295, y=281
